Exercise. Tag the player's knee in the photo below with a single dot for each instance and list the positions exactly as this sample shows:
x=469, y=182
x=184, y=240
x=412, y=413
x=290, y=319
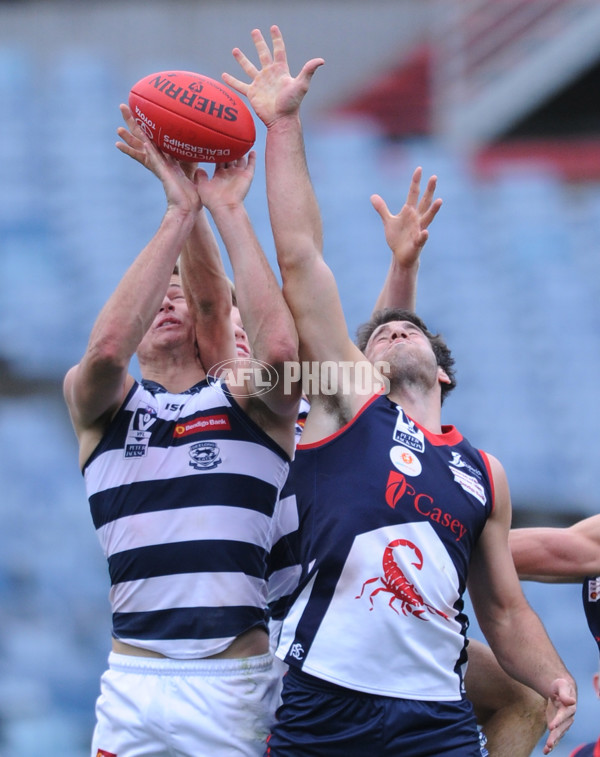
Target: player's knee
x=532, y=706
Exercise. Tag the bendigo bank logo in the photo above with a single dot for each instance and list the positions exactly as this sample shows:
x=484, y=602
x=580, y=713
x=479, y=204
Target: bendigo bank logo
x=398, y=488
x=218, y=422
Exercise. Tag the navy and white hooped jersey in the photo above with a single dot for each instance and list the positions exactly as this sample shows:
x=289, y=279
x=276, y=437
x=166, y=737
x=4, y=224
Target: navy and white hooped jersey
x=182, y=491
x=284, y=565
x=389, y=517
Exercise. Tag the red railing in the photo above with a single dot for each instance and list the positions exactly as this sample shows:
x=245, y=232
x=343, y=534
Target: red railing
x=479, y=37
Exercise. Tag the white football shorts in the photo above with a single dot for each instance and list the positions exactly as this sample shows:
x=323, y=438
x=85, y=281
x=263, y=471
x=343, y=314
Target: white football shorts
x=159, y=707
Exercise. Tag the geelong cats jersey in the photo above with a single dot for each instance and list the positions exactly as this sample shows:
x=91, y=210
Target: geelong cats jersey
x=284, y=565
x=389, y=516
x=182, y=490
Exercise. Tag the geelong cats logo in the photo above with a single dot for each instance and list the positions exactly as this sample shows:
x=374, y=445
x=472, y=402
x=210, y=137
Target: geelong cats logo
x=205, y=455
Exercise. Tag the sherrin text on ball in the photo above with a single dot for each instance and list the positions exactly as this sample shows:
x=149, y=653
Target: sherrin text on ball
x=192, y=117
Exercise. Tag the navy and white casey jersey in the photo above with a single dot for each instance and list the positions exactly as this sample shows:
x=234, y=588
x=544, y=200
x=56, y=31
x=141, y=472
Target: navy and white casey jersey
x=587, y=750
x=389, y=516
x=591, y=605
x=182, y=491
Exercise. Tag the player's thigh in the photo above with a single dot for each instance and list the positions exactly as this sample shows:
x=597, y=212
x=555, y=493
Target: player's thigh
x=125, y=717
x=487, y=686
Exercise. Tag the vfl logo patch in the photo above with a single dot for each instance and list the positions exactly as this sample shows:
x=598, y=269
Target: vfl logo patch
x=143, y=418
x=406, y=433
x=207, y=423
x=470, y=484
x=594, y=589
x=205, y=455
x=138, y=436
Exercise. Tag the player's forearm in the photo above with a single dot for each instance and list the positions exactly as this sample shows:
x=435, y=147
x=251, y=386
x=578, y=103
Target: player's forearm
x=554, y=554
x=266, y=317
x=524, y=650
x=130, y=310
x=205, y=281
x=399, y=289
x=208, y=292
x=293, y=207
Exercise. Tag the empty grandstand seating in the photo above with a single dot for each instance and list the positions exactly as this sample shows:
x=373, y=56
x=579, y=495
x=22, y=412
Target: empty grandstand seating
x=511, y=277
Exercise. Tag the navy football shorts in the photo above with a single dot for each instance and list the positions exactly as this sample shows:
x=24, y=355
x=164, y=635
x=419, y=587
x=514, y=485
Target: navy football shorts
x=320, y=719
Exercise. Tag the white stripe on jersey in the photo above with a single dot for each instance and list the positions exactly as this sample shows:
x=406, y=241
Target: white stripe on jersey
x=208, y=398
x=112, y=469
x=283, y=582
x=286, y=517
x=292, y=619
x=196, y=523
x=188, y=590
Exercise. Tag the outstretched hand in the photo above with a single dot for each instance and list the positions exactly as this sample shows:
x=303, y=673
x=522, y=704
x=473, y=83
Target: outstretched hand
x=407, y=231
x=560, y=712
x=178, y=182
x=229, y=184
x=273, y=93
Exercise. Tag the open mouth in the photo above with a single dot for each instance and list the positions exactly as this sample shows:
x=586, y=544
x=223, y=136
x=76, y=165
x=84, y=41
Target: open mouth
x=168, y=322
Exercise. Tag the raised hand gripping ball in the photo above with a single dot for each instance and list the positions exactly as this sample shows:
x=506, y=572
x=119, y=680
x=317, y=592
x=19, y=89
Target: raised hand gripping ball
x=192, y=117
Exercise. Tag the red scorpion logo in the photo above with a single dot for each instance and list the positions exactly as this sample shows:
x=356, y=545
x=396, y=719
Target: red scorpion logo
x=395, y=583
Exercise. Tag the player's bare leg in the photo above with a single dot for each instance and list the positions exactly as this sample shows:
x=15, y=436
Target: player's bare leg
x=512, y=715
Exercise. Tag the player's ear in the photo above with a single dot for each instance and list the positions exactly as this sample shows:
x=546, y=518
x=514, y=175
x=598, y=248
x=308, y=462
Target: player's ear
x=443, y=377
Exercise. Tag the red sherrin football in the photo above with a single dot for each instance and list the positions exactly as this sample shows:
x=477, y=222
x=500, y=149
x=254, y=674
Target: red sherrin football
x=192, y=117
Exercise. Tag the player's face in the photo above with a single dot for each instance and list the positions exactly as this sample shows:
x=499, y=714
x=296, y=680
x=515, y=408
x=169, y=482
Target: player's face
x=173, y=322
x=393, y=338
x=403, y=353
x=242, y=345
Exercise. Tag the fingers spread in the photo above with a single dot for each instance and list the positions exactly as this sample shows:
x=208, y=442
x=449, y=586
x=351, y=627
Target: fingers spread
x=414, y=187
x=264, y=54
x=236, y=84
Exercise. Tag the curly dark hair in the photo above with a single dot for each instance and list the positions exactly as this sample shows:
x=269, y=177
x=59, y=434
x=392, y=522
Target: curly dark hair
x=440, y=349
